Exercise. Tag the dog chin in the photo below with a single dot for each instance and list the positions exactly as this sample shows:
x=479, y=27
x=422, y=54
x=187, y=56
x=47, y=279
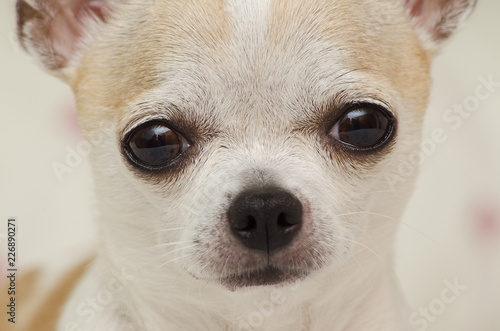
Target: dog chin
x=270, y=275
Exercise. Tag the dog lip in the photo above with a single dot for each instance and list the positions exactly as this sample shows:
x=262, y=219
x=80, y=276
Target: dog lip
x=270, y=275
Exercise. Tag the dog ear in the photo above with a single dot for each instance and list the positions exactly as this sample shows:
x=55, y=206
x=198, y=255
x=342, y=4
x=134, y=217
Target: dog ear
x=435, y=20
x=56, y=30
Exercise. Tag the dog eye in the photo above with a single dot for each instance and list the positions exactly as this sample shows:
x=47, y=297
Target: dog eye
x=154, y=145
x=363, y=127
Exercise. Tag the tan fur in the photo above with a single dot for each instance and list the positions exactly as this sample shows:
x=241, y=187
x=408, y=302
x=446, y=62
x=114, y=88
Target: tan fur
x=257, y=87
x=114, y=72
x=38, y=308
x=26, y=290
x=378, y=53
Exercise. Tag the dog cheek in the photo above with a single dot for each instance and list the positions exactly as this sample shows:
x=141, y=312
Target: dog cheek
x=204, y=253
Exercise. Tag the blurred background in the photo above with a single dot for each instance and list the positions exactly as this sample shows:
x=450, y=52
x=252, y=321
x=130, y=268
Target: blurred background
x=448, y=260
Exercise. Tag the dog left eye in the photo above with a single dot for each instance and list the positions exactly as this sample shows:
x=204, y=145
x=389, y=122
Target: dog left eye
x=154, y=145
x=363, y=127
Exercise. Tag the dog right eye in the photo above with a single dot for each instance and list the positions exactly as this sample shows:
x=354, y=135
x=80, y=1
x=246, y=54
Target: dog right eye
x=154, y=145
x=363, y=127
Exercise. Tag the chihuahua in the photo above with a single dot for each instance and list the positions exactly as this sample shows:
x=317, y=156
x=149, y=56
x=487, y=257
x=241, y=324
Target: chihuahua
x=242, y=175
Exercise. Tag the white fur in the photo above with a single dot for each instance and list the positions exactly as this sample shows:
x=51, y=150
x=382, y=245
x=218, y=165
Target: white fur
x=165, y=242
x=150, y=228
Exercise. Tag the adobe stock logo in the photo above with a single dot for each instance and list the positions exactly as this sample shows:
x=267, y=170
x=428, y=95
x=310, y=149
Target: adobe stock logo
x=265, y=308
x=75, y=156
x=471, y=103
x=421, y=319
x=452, y=119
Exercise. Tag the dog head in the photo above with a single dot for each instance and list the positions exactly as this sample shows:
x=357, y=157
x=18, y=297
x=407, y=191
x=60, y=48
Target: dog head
x=246, y=142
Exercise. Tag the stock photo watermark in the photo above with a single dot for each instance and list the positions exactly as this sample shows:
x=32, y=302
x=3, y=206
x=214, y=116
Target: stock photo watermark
x=75, y=155
x=421, y=319
x=453, y=118
x=11, y=270
x=88, y=310
x=265, y=308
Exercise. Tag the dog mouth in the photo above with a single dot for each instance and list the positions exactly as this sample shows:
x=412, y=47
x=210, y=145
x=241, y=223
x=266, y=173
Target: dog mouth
x=270, y=275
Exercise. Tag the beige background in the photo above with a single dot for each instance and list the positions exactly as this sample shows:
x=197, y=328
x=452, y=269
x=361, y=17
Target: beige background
x=441, y=237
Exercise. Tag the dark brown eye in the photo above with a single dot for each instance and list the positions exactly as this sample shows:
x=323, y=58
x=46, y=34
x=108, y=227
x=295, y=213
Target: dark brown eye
x=154, y=145
x=363, y=127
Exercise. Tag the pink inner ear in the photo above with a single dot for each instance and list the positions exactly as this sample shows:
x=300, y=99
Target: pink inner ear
x=415, y=7
x=425, y=8
x=53, y=29
x=99, y=8
x=69, y=22
x=439, y=18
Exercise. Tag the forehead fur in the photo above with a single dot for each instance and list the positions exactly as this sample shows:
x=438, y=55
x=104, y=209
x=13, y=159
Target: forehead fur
x=250, y=51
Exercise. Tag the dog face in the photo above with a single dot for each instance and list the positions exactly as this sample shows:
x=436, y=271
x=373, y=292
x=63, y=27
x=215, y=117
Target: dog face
x=246, y=142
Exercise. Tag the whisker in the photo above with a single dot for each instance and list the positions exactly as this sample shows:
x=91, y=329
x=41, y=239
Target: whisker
x=367, y=213
x=174, y=251
x=370, y=192
x=159, y=231
x=224, y=266
x=388, y=267
x=391, y=218
x=167, y=244
x=369, y=249
x=423, y=234
x=391, y=269
x=174, y=259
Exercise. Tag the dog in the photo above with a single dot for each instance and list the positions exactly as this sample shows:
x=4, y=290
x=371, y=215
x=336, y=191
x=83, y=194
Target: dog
x=243, y=174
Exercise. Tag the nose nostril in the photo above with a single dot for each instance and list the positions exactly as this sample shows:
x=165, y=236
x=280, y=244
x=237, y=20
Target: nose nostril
x=247, y=224
x=283, y=221
x=265, y=220
x=251, y=224
x=288, y=221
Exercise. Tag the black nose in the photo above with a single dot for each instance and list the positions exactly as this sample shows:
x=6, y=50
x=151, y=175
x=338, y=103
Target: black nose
x=265, y=219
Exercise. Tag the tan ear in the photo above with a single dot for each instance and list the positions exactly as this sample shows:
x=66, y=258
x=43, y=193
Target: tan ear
x=435, y=20
x=55, y=30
